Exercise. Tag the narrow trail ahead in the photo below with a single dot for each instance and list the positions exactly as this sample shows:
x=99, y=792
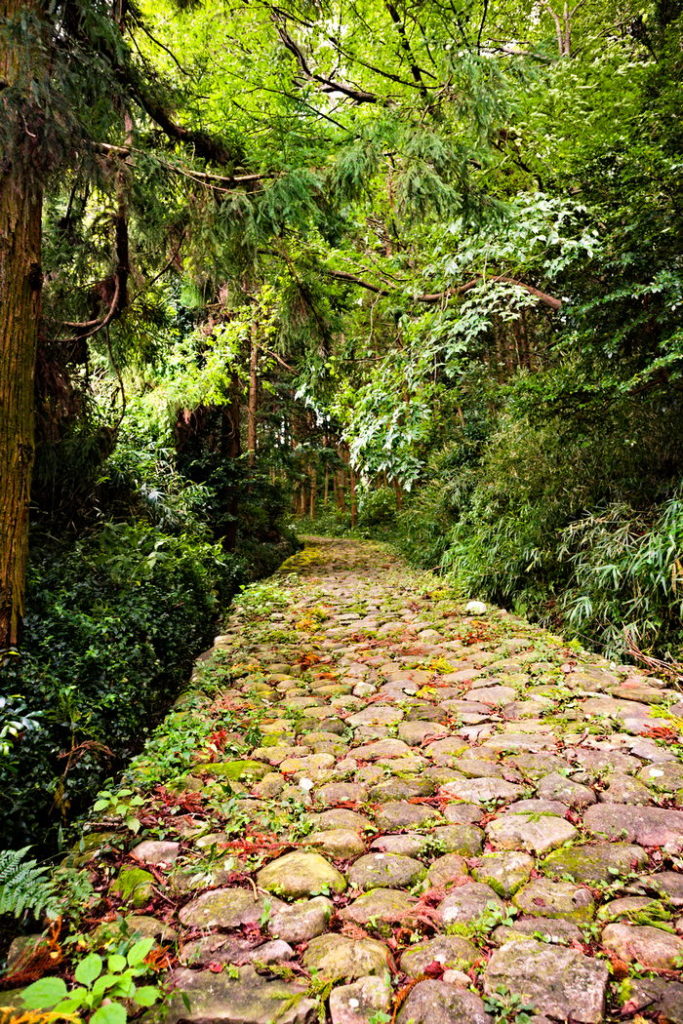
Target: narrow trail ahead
x=391, y=807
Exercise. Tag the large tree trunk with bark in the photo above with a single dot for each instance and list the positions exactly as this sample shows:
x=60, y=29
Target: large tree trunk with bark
x=20, y=285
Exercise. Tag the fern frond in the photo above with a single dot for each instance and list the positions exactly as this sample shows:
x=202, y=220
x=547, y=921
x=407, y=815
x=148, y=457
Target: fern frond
x=23, y=885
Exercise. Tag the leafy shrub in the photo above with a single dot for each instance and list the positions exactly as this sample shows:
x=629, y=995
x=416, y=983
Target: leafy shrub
x=627, y=576
x=113, y=625
x=425, y=521
x=103, y=991
x=330, y=520
x=564, y=513
x=377, y=507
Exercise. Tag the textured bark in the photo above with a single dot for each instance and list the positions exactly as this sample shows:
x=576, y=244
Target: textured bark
x=313, y=493
x=20, y=285
x=252, y=402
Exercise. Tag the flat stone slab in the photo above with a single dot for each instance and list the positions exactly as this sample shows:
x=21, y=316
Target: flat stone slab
x=340, y=817
x=333, y=793
x=652, y=948
x=152, y=851
x=410, y=844
x=387, y=870
x=334, y=956
x=505, y=872
x=558, y=787
x=524, y=832
x=376, y=714
x=594, y=862
x=366, y=999
x=247, y=999
x=545, y=898
x=655, y=997
x=450, y=951
x=381, y=748
x=445, y=869
x=401, y=789
x=668, y=884
x=229, y=949
x=482, y=791
x=301, y=921
x=493, y=695
x=301, y=874
x=337, y=843
x=399, y=814
x=382, y=905
x=648, y=826
x=470, y=904
x=435, y=1002
x=559, y=982
x=547, y=929
x=223, y=908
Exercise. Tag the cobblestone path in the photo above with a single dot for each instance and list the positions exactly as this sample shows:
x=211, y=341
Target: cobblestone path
x=382, y=804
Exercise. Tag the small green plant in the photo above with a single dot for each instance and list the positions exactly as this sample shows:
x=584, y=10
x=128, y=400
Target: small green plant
x=118, y=804
x=508, y=1007
x=259, y=599
x=102, y=988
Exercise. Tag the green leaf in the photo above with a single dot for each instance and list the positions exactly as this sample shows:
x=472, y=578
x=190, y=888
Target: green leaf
x=104, y=982
x=147, y=995
x=116, y=963
x=76, y=998
x=139, y=951
x=88, y=969
x=112, y=1013
x=44, y=994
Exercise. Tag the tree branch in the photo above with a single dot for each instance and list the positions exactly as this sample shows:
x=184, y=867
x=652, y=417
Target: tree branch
x=326, y=84
x=431, y=298
x=405, y=46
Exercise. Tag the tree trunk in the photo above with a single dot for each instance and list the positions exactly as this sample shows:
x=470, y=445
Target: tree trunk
x=339, y=489
x=313, y=494
x=354, y=501
x=252, y=404
x=20, y=285
x=232, y=448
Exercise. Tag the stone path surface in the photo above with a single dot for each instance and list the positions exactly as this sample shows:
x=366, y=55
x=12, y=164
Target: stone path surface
x=380, y=803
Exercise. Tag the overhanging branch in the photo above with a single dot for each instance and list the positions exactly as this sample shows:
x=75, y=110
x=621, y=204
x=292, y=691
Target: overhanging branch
x=431, y=298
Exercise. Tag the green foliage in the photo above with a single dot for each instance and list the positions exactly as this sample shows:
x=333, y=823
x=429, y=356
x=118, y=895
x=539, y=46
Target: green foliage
x=23, y=885
x=27, y=888
x=104, y=990
x=377, y=508
x=627, y=577
x=113, y=624
x=508, y=1007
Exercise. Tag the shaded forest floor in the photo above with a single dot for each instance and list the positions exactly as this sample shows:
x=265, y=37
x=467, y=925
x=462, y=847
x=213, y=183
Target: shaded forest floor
x=377, y=802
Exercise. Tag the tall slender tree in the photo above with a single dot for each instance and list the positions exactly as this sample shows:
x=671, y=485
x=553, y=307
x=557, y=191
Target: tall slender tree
x=22, y=70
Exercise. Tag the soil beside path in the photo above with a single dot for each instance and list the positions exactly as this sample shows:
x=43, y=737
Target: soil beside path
x=378, y=804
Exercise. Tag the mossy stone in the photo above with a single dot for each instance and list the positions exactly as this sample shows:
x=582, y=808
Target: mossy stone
x=235, y=770
x=134, y=885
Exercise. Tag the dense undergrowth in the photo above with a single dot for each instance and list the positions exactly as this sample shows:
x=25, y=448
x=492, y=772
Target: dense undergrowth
x=115, y=617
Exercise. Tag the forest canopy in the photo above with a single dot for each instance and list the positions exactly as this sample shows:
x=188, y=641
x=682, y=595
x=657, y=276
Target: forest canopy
x=411, y=269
